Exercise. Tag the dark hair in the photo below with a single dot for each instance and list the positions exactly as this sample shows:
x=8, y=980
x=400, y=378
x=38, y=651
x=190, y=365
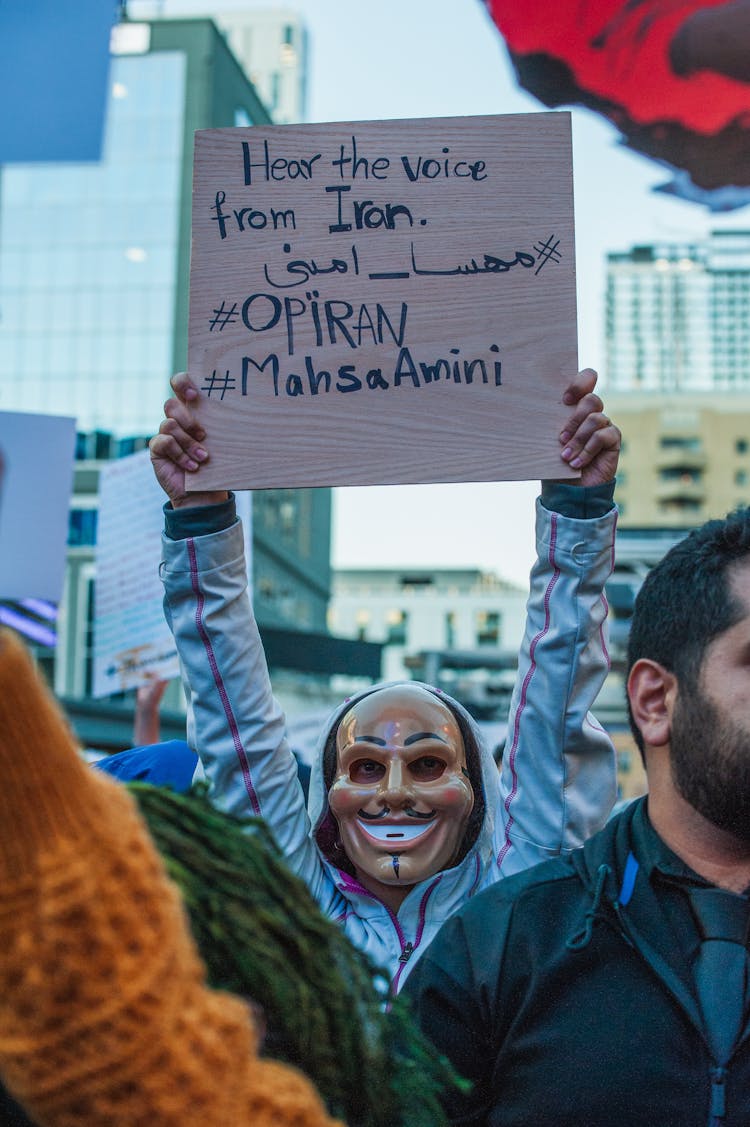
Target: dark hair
x=685, y=601
x=326, y=835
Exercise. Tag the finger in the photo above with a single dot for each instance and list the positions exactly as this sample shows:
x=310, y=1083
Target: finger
x=185, y=435
x=184, y=388
x=602, y=442
x=183, y=415
x=583, y=383
x=182, y=451
x=589, y=406
x=592, y=442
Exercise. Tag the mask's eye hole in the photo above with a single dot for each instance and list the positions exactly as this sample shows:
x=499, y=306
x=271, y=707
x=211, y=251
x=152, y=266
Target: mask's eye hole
x=366, y=771
x=427, y=768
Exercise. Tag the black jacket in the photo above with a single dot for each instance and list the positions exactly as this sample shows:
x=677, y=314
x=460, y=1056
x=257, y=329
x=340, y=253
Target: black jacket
x=565, y=994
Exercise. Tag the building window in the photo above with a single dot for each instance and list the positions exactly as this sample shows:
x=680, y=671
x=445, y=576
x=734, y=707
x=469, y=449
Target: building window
x=82, y=527
x=681, y=474
x=679, y=442
x=278, y=511
x=740, y=477
x=488, y=628
x=288, y=517
x=396, y=623
x=740, y=445
x=266, y=588
x=362, y=619
x=680, y=504
x=450, y=629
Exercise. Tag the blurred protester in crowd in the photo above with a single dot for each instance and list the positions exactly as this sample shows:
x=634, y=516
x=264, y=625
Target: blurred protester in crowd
x=105, y=1014
x=147, y=718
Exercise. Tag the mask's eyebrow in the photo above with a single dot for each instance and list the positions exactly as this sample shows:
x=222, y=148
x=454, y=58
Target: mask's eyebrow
x=369, y=740
x=424, y=736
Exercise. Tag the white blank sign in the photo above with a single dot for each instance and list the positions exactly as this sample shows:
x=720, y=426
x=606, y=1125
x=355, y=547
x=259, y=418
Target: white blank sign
x=36, y=476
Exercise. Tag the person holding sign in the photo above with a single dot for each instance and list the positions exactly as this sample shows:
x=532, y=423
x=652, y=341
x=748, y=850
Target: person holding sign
x=408, y=814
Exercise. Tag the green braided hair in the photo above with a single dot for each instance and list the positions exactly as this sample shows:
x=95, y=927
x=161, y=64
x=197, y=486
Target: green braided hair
x=261, y=935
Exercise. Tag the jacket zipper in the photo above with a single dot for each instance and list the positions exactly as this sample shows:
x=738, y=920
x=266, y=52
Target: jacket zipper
x=718, y=1096
x=406, y=954
x=408, y=949
x=717, y=1075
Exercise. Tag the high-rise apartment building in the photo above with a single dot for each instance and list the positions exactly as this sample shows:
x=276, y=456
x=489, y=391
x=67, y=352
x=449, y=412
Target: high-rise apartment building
x=678, y=316
x=685, y=457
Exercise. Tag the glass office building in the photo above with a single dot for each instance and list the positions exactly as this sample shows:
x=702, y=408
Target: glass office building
x=89, y=261
x=94, y=258
x=94, y=276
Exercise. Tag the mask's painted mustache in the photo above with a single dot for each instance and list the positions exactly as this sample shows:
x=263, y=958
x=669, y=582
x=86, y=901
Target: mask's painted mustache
x=408, y=810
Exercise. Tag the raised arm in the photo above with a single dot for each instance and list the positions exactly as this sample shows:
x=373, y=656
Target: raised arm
x=147, y=720
x=558, y=777
x=234, y=722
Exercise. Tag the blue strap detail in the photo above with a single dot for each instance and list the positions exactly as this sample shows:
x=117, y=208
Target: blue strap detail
x=628, y=880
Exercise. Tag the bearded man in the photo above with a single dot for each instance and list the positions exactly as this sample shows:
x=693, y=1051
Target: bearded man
x=612, y=986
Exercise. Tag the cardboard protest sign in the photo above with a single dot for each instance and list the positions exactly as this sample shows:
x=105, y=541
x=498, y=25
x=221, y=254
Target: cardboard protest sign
x=36, y=477
x=383, y=302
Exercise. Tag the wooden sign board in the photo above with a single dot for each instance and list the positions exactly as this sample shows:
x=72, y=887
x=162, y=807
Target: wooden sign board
x=383, y=302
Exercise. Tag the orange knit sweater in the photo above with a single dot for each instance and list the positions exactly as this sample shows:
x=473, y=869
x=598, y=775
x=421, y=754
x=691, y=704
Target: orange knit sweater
x=105, y=1018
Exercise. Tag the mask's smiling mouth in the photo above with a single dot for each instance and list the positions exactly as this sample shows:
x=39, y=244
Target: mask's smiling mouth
x=396, y=833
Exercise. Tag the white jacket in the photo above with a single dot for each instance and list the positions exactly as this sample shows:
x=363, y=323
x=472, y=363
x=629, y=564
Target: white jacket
x=557, y=783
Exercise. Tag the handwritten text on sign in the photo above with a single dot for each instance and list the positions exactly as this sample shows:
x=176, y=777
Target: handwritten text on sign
x=383, y=302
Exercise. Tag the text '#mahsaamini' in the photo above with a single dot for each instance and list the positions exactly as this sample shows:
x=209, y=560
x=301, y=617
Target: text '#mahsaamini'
x=408, y=371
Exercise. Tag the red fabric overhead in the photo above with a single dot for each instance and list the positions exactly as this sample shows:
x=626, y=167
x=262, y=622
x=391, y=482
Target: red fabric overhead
x=673, y=75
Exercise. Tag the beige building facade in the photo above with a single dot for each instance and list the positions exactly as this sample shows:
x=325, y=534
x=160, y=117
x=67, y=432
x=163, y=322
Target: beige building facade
x=685, y=458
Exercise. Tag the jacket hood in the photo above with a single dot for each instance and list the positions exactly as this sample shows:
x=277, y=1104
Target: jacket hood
x=606, y=868
x=483, y=774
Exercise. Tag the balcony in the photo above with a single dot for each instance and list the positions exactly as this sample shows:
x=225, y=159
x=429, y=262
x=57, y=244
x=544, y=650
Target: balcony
x=681, y=489
x=680, y=458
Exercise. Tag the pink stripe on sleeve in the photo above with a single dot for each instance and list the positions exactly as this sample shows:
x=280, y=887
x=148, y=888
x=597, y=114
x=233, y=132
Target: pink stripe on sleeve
x=218, y=680
x=524, y=693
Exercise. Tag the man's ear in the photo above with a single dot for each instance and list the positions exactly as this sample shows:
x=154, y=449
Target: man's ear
x=652, y=691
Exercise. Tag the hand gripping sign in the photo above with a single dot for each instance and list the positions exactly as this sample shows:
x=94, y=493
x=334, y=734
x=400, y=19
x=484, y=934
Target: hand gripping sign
x=383, y=302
